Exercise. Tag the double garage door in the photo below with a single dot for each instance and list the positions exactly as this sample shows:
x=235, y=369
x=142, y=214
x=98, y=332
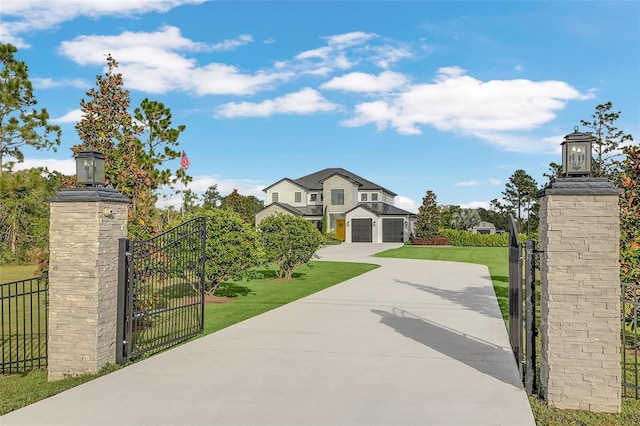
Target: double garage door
x=362, y=230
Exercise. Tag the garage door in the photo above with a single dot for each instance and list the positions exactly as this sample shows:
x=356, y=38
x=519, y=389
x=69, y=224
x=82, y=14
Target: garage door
x=393, y=230
x=361, y=230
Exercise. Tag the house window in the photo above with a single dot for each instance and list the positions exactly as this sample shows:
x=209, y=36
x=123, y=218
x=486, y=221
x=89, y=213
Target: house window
x=337, y=197
x=274, y=197
x=298, y=197
x=363, y=197
x=313, y=197
x=374, y=197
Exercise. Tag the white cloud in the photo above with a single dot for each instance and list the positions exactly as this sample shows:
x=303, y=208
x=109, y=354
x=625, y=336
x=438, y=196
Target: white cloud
x=468, y=183
x=306, y=101
x=72, y=116
x=49, y=83
x=406, y=203
x=362, y=82
x=455, y=102
x=495, y=182
x=232, y=44
x=153, y=62
x=24, y=16
x=386, y=56
x=66, y=167
x=475, y=205
x=349, y=39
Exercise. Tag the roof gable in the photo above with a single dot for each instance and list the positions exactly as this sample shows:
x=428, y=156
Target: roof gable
x=314, y=181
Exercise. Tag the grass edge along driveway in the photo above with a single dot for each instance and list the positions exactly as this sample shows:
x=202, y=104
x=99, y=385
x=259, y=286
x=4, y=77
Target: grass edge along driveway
x=251, y=298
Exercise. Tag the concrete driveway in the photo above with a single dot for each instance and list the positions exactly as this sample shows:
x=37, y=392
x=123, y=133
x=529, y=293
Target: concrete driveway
x=409, y=343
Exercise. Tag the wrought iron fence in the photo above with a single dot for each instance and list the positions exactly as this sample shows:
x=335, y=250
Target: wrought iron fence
x=515, y=294
x=23, y=313
x=630, y=336
x=161, y=288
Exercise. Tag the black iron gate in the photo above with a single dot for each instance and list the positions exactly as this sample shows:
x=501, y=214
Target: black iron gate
x=161, y=289
x=522, y=306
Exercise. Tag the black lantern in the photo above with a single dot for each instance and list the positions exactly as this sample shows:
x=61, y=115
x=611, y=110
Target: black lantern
x=576, y=154
x=89, y=168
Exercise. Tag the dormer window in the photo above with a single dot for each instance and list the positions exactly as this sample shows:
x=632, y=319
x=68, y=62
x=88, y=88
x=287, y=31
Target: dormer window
x=313, y=197
x=374, y=197
x=363, y=197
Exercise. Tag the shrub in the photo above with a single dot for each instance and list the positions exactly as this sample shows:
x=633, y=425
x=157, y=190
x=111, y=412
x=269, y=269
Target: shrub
x=289, y=242
x=467, y=239
x=233, y=247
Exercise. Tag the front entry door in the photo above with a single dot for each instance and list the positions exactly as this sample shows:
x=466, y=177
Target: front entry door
x=340, y=230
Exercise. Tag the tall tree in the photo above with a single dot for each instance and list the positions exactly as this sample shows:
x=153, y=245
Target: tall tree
x=519, y=195
x=107, y=126
x=607, y=139
x=245, y=205
x=21, y=124
x=159, y=140
x=211, y=197
x=428, y=217
x=465, y=219
x=24, y=214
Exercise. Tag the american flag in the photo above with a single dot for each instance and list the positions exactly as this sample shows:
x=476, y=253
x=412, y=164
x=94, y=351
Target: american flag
x=184, y=161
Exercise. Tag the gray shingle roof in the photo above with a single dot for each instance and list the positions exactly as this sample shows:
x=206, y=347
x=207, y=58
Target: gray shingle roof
x=383, y=209
x=314, y=180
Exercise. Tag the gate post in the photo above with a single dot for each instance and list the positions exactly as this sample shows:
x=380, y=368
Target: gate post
x=85, y=225
x=580, y=294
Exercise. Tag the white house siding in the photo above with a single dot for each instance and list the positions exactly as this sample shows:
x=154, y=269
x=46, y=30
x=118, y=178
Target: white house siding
x=286, y=194
x=361, y=213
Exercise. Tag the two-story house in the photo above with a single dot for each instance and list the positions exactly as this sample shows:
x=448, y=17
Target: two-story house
x=356, y=209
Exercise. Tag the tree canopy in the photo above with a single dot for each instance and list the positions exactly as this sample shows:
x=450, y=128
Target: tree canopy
x=20, y=123
x=427, y=223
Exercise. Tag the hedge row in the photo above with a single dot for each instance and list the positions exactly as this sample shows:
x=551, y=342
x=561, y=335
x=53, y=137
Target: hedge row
x=467, y=239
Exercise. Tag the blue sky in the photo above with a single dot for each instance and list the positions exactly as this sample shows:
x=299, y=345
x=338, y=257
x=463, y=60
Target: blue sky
x=451, y=97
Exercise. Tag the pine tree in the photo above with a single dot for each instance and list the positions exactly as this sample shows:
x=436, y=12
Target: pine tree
x=607, y=140
x=21, y=124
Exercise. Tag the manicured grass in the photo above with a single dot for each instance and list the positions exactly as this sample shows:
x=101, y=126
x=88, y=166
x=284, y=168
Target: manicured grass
x=251, y=298
x=497, y=260
x=10, y=273
x=255, y=297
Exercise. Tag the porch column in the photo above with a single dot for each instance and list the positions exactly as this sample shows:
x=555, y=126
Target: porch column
x=580, y=294
x=85, y=225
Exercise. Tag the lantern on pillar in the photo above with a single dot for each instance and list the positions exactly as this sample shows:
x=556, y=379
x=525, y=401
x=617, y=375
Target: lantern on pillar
x=576, y=154
x=89, y=168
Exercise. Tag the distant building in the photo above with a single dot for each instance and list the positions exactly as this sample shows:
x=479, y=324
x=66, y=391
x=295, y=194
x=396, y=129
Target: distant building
x=357, y=210
x=484, y=228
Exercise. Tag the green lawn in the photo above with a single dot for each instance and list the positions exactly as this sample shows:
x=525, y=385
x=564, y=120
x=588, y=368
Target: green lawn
x=497, y=260
x=251, y=298
x=14, y=273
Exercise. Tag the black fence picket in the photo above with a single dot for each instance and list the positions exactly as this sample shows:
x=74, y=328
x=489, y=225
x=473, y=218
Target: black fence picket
x=23, y=316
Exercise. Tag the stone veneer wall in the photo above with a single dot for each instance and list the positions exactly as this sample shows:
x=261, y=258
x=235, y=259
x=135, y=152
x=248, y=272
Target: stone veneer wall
x=580, y=295
x=83, y=279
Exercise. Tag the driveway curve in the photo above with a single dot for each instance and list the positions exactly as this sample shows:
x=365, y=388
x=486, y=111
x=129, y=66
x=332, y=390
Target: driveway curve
x=410, y=343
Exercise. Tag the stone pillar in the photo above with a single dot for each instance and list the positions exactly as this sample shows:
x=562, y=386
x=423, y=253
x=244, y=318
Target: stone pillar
x=580, y=294
x=85, y=225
